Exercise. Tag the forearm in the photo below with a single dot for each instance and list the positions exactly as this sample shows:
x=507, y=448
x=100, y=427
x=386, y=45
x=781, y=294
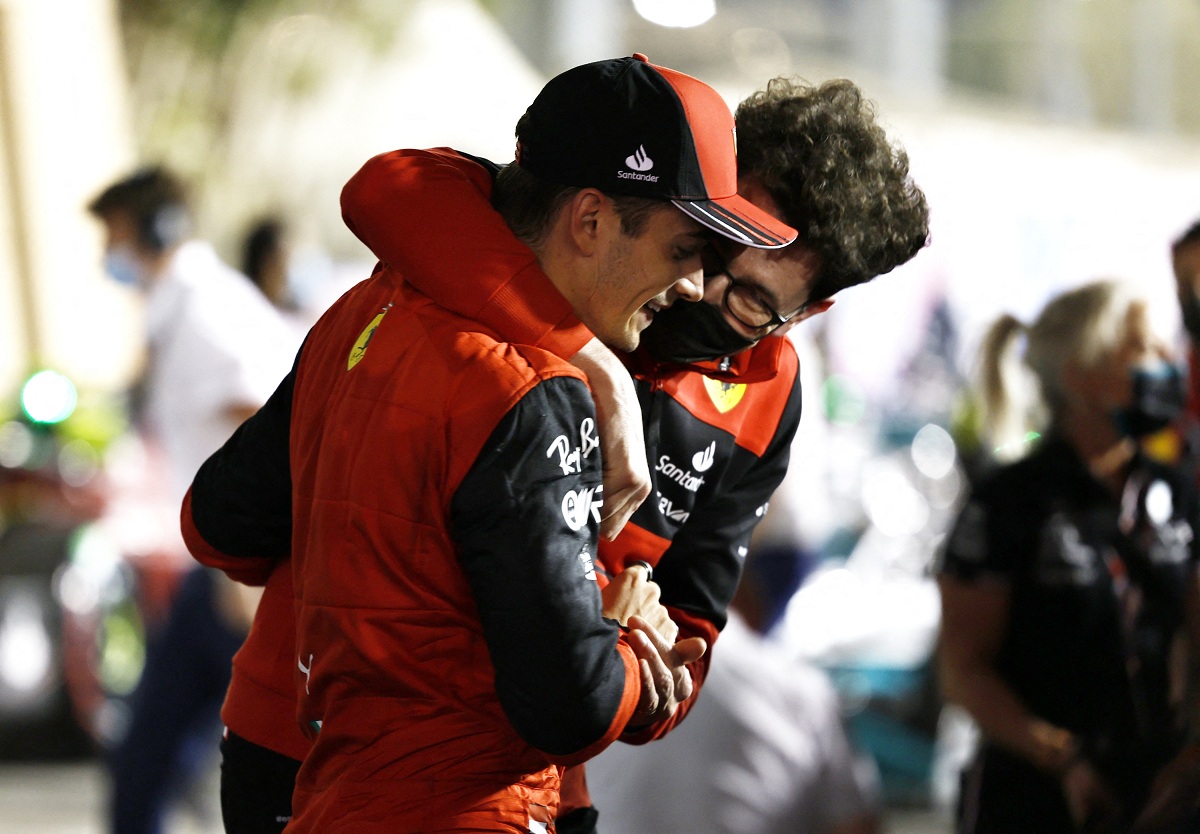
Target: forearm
x=622, y=444
x=1005, y=721
x=236, y=602
x=610, y=381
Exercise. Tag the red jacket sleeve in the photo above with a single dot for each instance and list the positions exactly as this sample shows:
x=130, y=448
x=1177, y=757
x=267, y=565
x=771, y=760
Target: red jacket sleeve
x=413, y=207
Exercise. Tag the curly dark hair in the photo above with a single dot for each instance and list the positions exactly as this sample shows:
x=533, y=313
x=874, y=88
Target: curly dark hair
x=838, y=180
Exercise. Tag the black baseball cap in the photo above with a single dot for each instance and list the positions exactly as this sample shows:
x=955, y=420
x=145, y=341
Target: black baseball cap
x=626, y=126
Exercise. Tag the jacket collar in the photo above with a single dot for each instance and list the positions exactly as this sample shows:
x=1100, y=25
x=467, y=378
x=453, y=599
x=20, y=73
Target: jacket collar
x=756, y=364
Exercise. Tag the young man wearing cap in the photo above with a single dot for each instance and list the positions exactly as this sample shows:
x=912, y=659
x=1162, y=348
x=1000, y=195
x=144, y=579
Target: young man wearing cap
x=449, y=647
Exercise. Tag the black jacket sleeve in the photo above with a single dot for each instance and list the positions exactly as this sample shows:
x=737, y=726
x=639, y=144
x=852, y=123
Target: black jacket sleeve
x=701, y=568
x=525, y=520
x=238, y=514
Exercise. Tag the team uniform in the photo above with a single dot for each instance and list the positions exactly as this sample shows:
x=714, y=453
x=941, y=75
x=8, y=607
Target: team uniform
x=717, y=436
x=1097, y=590
x=449, y=651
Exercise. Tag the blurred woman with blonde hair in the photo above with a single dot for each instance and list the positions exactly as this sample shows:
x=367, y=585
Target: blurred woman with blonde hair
x=1069, y=582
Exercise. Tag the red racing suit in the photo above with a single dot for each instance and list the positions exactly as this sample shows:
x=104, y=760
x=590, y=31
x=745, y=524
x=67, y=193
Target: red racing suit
x=449, y=647
x=718, y=436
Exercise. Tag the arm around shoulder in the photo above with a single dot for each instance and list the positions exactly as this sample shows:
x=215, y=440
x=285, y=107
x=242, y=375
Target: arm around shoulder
x=524, y=519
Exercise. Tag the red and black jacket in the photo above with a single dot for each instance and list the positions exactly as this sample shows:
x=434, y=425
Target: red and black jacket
x=447, y=632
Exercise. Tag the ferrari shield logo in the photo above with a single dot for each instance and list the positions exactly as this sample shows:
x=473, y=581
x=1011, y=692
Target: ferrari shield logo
x=724, y=395
x=360, y=344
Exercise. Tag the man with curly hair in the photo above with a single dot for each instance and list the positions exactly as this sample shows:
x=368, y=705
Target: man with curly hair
x=828, y=165
x=717, y=382
x=814, y=157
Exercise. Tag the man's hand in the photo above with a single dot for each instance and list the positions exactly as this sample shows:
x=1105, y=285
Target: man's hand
x=632, y=593
x=666, y=681
x=1090, y=800
x=626, y=473
x=1174, y=794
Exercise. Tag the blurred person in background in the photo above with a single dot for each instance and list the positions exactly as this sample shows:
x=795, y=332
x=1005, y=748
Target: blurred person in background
x=1070, y=611
x=1185, y=263
x=265, y=253
x=215, y=350
x=716, y=380
x=764, y=751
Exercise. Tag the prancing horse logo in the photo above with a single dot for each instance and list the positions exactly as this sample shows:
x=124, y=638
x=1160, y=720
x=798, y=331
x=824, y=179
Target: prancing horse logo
x=724, y=395
x=360, y=344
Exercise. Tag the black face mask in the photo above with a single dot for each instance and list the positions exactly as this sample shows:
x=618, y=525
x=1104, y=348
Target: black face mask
x=692, y=331
x=1159, y=397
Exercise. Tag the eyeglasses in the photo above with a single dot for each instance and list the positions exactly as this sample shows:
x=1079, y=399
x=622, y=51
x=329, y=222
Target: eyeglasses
x=743, y=300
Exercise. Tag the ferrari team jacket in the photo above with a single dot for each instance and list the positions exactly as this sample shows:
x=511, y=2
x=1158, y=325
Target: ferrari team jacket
x=449, y=649
x=718, y=436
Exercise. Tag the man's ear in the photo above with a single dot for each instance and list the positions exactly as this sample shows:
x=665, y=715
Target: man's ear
x=585, y=216
x=811, y=309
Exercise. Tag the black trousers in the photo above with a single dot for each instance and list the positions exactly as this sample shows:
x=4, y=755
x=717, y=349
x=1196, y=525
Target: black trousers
x=256, y=787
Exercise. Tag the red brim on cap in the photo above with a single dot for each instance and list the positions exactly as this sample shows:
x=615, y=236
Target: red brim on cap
x=738, y=219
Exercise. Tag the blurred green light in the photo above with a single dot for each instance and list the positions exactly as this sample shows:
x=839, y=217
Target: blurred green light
x=1019, y=447
x=48, y=397
x=843, y=400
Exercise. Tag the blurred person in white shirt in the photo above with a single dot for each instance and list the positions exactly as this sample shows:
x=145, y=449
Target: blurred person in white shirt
x=764, y=750
x=216, y=349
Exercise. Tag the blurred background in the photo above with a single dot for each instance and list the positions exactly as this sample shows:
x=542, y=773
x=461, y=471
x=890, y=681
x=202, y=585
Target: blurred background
x=1057, y=141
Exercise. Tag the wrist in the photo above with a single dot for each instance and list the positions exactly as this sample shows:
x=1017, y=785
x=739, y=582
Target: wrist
x=1054, y=750
x=1072, y=761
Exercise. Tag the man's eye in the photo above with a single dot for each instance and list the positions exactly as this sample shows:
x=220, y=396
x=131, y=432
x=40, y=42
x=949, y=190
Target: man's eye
x=686, y=254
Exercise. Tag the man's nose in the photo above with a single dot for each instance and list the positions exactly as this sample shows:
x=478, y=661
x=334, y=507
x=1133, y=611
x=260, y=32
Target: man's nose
x=691, y=285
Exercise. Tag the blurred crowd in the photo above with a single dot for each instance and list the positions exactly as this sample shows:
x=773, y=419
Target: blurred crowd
x=982, y=600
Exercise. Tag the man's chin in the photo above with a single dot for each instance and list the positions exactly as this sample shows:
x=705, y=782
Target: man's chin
x=626, y=341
